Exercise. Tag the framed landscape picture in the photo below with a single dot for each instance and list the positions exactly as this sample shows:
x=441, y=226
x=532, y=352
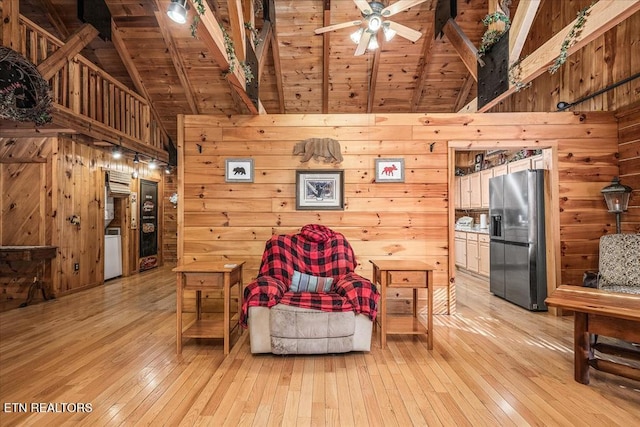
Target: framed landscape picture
x=238, y=170
x=389, y=170
x=319, y=190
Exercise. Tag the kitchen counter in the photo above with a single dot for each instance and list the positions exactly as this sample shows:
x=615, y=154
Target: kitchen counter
x=473, y=229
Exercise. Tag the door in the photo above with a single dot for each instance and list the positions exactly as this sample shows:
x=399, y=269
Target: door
x=148, y=224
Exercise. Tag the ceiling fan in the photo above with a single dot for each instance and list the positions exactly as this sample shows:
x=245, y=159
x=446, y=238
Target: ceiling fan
x=374, y=15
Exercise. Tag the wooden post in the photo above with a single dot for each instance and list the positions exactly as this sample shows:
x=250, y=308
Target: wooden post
x=10, y=24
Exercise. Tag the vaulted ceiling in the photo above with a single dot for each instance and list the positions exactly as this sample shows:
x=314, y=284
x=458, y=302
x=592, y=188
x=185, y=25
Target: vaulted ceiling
x=300, y=72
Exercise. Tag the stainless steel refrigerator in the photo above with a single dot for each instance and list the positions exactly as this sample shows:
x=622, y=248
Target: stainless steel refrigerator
x=517, y=230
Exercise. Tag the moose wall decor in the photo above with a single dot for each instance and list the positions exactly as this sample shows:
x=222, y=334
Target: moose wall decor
x=326, y=148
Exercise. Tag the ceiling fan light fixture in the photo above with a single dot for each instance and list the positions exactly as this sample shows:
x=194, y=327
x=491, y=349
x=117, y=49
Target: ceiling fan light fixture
x=177, y=11
x=388, y=33
x=373, y=43
x=375, y=22
x=355, y=36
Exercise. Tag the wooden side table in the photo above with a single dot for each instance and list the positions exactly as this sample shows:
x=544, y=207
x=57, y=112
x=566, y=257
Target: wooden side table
x=209, y=276
x=409, y=275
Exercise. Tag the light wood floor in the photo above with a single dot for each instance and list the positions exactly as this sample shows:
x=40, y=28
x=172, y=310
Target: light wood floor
x=114, y=347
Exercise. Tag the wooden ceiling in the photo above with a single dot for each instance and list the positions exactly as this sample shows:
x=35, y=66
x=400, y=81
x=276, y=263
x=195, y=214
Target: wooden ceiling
x=301, y=72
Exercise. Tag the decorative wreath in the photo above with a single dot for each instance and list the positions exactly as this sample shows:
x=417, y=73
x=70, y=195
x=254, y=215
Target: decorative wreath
x=24, y=93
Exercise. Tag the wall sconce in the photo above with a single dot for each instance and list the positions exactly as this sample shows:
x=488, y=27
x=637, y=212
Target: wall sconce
x=117, y=153
x=177, y=11
x=617, y=197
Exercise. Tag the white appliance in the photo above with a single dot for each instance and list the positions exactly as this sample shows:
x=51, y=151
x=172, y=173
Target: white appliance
x=112, y=254
x=483, y=221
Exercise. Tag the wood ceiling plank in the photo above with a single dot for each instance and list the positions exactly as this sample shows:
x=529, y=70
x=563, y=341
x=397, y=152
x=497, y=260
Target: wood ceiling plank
x=78, y=40
x=464, y=92
x=326, y=56
x=55, y=19
x=263, y=47
x=176, y=58
x=461, y=43
x=275, y=50
x=125, y=56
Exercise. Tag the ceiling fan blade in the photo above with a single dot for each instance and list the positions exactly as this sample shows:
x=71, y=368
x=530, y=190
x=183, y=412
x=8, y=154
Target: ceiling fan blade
x=364, y=43
x=399, y=6
x=363, y=5
x=337, y=26
x=406, y=32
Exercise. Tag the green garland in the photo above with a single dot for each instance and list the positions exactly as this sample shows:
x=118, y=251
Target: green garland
x=200, y=10
x=231, y=54
x=255, y=34
x=570, y=39
x=228, y=43
x=491, y=37
x=515, y=76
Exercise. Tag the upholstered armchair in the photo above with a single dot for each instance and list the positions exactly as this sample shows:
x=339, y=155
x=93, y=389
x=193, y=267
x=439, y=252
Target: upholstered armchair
x=307, y=298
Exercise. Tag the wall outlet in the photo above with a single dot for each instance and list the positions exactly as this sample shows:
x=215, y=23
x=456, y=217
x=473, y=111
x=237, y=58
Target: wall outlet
x=76, y=266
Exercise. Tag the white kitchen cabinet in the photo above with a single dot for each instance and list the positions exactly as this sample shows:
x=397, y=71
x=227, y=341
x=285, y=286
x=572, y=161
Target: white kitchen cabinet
x=485, y=175
x=457, y=196
x=484, y=262
x=460, y=247
x=519, y=165
x=542, y=161
x=500, y=170
x=475, y=191
x=472, y=252
x=465, y=192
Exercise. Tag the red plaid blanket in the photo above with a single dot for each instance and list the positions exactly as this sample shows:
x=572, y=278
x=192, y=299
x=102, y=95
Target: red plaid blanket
x=318, y=251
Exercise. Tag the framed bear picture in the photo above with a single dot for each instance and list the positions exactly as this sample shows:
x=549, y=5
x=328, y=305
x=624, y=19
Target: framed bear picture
x=238, y=170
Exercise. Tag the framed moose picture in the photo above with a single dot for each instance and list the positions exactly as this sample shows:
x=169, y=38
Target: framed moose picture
x=238, y=170
x=389, y=170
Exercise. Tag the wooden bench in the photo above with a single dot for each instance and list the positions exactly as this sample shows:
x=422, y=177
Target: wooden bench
x=604, y=313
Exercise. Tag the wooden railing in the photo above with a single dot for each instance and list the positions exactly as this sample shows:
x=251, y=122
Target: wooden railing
x=85, y=92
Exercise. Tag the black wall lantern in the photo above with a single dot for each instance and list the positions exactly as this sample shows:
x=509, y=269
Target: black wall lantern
x=617, y=197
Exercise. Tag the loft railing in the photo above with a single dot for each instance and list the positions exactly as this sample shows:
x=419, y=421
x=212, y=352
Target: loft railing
x=82, y=91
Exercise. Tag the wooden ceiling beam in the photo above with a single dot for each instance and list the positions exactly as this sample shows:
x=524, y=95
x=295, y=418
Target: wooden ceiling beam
x=461, y=43
x=176, y=59
x=603, y=15
x=520, y=27
x=58, y=59
x=210, y=33
x=464, y=92
x=238, y=33
x=263, y=47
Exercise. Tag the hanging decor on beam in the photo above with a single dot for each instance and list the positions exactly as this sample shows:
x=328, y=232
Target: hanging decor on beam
x=24, y=94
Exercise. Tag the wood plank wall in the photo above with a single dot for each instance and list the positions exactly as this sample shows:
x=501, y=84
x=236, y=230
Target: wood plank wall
x=629, y=138
x=608, y=59
x=221, y=220
x=44, y=181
